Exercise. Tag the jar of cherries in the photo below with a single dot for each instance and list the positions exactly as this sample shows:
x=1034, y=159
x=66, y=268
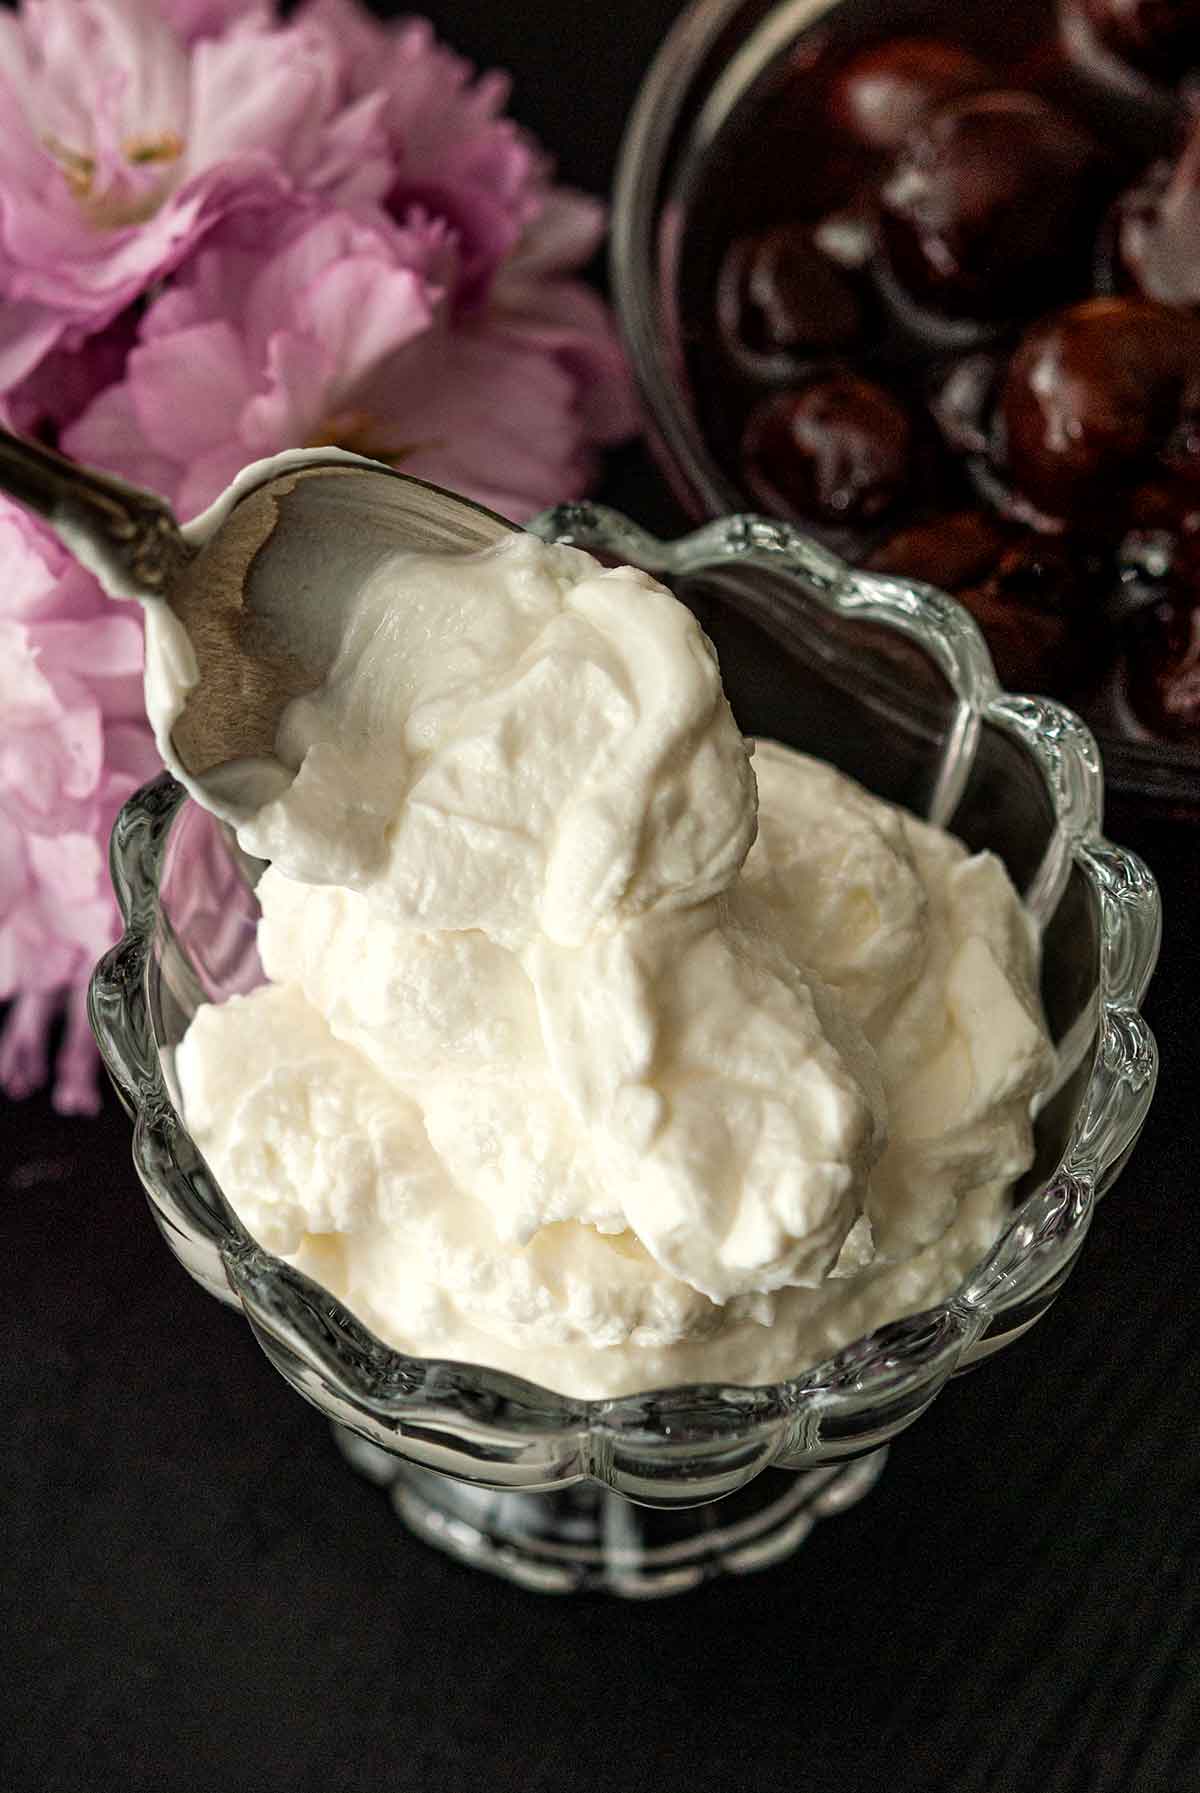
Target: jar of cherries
x=941, y=305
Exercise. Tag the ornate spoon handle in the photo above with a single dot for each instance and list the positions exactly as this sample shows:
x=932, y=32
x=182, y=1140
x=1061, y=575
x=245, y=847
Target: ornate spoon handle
x=126, y=536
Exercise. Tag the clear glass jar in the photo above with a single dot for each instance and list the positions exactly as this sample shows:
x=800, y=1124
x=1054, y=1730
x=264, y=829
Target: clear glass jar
x=711, y=73
x=564, y=1494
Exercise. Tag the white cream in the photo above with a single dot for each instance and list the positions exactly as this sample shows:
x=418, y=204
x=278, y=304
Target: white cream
x=558, y=1067
x=520, y=742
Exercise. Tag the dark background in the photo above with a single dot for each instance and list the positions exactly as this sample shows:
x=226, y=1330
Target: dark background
x=197, y=1594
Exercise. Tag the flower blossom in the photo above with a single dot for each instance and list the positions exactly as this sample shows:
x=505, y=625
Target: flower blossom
x=122, y=146
x=75, y=744
x=338, y=328
x=455, y=157
x=222, y=236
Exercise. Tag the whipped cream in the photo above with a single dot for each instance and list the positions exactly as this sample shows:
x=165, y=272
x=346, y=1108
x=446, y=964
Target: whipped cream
x=592, y=1047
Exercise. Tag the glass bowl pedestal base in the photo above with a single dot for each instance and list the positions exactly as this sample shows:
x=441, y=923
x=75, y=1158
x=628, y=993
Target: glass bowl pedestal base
x=587, y=1539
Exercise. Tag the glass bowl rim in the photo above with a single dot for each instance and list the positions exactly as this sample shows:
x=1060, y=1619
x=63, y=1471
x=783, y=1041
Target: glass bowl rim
x=866, y=1391
x=1157, y=772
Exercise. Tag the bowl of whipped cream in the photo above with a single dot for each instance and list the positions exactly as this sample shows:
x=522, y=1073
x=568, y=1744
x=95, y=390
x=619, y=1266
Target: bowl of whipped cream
x=637, y=1047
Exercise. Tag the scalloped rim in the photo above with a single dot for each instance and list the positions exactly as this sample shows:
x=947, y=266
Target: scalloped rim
x=874, y=1386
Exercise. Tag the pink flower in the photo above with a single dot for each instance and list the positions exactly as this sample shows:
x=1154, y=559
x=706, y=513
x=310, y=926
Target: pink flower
x=74, y=745
x=455, y=157
x=258, y=344
x=121, y=148
x=220, y=237
x=340, y=330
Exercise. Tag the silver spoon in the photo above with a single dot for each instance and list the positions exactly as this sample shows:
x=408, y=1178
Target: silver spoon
x=250, y=581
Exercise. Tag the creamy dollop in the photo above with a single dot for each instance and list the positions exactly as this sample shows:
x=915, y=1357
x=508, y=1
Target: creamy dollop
x=584, y=1051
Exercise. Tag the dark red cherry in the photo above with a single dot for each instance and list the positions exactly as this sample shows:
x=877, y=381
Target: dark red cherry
x=1032, y=605
x=1028, y=594
x=991, y=206
x=950, y=551
x=1160, y=37
x=790, y=165
x=778, y=295
x=1101, y=413
x=1031, y=650
x=1163, y=669
x=880, y=94
x=839, y=448
x=1157, y=230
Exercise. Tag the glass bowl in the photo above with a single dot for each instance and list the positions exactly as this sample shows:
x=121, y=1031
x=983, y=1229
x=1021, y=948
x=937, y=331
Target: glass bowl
x=715, y=70
x=564, y=1494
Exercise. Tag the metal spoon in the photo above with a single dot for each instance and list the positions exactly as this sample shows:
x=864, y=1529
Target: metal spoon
x=249, y=581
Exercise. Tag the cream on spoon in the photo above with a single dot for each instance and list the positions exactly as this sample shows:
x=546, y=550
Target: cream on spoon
x=242, y=615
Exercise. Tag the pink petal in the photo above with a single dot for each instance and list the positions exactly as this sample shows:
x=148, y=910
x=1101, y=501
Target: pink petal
x=33, y=959
x=363, y=43
x=109, y=435
x=568, y=229
x=487, y=418
x=355, y=161
x=277, y=93
x=208, y=477
x=71, y=865
x=187, y=387
x=361, y=310
x=65, y=381
x=23, y=1044
x=194, y=19
x=14, y=868
x=78, y=1063
x=105, y=647
x=484, y=230
x=289, y=412
x=47, y=771
x=289, y=263
x=254, y=91
x=32, y=559
x=571, y=323
x=130, y=756
x=27, y=333
x=26, y=693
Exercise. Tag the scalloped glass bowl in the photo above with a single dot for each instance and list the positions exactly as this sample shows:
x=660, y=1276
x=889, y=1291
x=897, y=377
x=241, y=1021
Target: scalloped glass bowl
x=564, y=1494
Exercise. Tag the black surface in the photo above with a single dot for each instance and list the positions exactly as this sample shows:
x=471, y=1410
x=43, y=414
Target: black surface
x=197, y=1594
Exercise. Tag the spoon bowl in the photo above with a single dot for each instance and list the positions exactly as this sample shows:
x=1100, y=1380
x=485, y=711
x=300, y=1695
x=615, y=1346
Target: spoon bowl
x=262, y=598
x=246, y=604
